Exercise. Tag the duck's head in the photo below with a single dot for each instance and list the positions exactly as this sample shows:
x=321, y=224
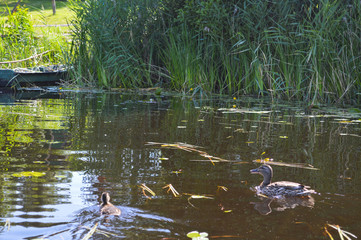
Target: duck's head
x=266, y=171
x=105, y=198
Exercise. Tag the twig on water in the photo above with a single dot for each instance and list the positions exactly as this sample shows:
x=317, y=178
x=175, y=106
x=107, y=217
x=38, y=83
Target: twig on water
x=172, y=189
x=91, y=232
x=145, y=188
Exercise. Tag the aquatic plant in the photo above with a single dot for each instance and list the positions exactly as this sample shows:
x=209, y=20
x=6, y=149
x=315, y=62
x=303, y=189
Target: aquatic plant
x=285, y=49
x=195, y=235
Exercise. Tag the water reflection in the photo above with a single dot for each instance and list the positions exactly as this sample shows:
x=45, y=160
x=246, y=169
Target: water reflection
x=282, y=203
x=58, y=154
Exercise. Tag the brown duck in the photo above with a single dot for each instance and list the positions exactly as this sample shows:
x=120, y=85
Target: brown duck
x=106, y=207
x=278, y=189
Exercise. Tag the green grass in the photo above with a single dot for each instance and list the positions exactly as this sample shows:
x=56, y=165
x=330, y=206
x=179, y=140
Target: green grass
x=40, y=11
x=21, y=41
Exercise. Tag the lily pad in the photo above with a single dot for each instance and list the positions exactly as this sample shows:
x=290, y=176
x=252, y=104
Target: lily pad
x=28, y=174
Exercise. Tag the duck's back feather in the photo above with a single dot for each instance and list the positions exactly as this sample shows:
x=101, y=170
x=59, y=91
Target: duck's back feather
x=285, y=188
x=287, y=185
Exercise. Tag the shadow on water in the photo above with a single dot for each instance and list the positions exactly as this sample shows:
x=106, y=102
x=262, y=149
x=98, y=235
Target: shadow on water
x=60, y=152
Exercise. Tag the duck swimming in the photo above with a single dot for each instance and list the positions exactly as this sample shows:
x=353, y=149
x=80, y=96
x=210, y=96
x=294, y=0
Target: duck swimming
x=106, y=207
x=282, y=188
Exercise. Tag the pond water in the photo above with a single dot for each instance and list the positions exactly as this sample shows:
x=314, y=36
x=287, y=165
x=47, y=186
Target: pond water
x=59, y=152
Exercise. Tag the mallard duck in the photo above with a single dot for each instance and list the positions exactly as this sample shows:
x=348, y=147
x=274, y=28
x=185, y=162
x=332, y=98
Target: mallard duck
x=106, y=207
x=282, y=188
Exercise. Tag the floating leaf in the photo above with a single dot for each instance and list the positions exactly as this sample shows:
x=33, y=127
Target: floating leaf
x=39, y=162
x=197, y=236
x=193, y=234
x=60, y=176
x=238, y=110
x=28, y=174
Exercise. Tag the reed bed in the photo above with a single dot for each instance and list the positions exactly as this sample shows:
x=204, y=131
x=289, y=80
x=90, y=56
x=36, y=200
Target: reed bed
x=306, y=50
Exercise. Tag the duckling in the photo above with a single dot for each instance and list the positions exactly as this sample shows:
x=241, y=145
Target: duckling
x=106, y=207
x=282, y=188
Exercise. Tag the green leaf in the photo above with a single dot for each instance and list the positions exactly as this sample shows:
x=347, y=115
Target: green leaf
x=28, y=174
x=193, y=234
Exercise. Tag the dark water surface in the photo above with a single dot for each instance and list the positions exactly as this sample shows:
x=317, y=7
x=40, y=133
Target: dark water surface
x=58, y=154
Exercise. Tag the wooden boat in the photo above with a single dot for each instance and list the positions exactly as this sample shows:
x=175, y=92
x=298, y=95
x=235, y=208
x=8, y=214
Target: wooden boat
x=40, y=76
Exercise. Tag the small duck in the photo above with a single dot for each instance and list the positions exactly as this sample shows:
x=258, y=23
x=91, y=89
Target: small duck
x=282, y=188
x=106, y=207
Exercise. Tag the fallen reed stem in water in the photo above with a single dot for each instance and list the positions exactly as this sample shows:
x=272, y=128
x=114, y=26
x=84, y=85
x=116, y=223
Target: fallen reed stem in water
x=107, y=234
x=172, y=189
x=145, y=188
x=342, y=233
x=7, y=224
x=190, y=148
x=295, y=165
x=91, y=232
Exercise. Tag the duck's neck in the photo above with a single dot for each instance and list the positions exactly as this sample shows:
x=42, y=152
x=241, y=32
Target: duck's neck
x=105, y=199
x=266, y=180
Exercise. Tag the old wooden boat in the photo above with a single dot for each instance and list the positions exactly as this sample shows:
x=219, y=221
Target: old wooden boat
x=40, y=76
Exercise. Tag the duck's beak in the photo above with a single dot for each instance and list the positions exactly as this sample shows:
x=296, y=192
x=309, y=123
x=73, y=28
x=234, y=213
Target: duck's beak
x=254, y=171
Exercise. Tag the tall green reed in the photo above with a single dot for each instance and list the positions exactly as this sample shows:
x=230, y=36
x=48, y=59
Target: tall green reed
x=114, y=41
x=307, y=50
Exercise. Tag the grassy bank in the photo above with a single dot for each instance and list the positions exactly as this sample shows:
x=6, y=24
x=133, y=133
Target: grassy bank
x=308, y=50
x=26, y=33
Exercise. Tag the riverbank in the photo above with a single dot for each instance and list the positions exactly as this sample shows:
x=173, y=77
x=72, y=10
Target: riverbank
x=299, y=51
